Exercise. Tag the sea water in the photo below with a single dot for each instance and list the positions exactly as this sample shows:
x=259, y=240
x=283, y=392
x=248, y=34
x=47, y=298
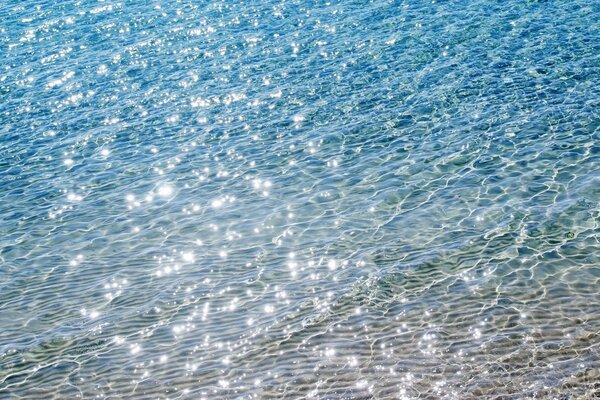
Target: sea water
x=300, y=199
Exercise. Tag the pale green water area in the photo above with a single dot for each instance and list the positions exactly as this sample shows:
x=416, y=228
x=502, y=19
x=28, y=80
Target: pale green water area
x=299, y=199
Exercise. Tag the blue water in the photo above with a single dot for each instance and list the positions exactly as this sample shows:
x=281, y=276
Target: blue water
x=304, y=199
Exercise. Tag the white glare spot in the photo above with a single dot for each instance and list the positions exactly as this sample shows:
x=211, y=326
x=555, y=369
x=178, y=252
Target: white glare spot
x=165, y=190
x=188, y=256
x=332, y=264
x=118, y=340
x=269, y=308
x=135, y=348
x=74, y=197
x=362, y=384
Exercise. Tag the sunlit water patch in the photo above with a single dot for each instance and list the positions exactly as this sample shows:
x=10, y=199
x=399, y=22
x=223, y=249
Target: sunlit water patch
x=299, y=200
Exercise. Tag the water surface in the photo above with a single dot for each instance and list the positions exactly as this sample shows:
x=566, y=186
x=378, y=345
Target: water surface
x=304, y=199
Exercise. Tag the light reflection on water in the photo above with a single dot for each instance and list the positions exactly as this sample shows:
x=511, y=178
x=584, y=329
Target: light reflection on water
x=315, y=200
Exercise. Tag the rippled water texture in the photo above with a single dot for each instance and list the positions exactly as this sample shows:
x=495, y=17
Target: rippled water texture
x=336, y=200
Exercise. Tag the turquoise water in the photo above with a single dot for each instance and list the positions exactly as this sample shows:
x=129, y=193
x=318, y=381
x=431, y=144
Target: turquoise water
x=304, y=199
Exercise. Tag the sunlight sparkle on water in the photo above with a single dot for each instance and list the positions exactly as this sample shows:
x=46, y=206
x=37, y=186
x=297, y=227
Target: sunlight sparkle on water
x=166, y=190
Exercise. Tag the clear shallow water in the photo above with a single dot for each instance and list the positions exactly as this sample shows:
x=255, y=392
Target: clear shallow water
x=310, y=199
